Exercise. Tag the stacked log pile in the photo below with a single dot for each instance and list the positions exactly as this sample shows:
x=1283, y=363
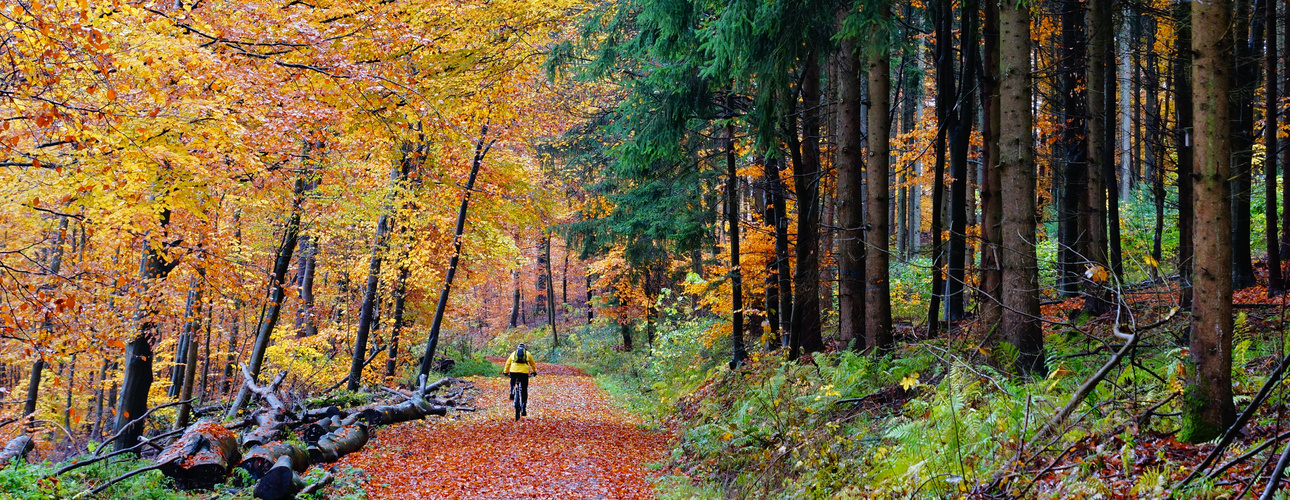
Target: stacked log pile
x=207, y=451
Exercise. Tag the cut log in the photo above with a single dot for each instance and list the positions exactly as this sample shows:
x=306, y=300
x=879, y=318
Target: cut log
x=281, y=481
x=270, y=426
x=320, y=428
x=259, y=460
x=16, y=448
x=202, y=457
x=338, y=443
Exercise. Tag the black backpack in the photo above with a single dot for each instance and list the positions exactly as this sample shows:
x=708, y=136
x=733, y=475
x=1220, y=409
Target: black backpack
x=520, y=355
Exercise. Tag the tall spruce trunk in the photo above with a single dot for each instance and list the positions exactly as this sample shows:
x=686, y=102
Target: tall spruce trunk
x=1020, y=319
x=1073, y=239
x=991, y=199
x=1246, y=27
x=1183, y=139
x=851, y=238
x=1101, y=92
x=959, y=169
x=877, y=326
x=1207, y=398
x=946, y=118
x=806, y=333
x=736, y=274
x=482, y=146
x=1270, y=128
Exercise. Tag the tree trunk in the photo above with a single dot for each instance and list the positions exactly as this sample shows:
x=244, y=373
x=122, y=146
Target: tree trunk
x=877, y=328
x=153, y=266
x=47, y=323
x=1100, y=94
x=1154, y=146
x=1242, y=139
x=1207, y=398
x=806, y=302
x=201, y=458
x=259, y=459
x=1016, y=169
x=1183, y=137
x=192, y=313
x=550, y=296
x=851, y=243
x=991, y=201
x=400, y=300
x=736, y=274
x=306, y=318
x=946, y=120
x=1270, y=129
x=338, y=443
x=193, y=325
x=281, y=264
x=515, y=300
x=1073, y=241
x=432, y=342
x=960, y=141
x=782, y=267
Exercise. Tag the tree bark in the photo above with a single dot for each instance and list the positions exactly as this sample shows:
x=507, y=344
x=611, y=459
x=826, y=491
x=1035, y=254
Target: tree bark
x=1270, y=128
x=851, y=241
x=991, y=201
x=1073, y=240
x=133, y=400
x=736, y=274
x=806, y=302
x=396, y=329
x=515, y=300
x=1020, y=317
x=1207, y=397
x=959, y=143
x=202, y=457
x=193, y=325
x=1242, y=139
x=1183, y=137
x=1101, y=95
x=946, y=120
x=877, y=326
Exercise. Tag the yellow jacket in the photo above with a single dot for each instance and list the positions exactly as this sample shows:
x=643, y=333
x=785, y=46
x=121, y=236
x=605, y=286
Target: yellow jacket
x=527, y=365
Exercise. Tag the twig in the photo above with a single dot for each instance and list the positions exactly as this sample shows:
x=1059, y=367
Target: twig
x=137, y=420
x=1244, y=456
x=1275, y=481
x=125, y=476
x=77, y=465
x=1046, y=470
x=1230, y=434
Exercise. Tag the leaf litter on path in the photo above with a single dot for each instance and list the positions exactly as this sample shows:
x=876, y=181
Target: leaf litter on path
x=573, y=445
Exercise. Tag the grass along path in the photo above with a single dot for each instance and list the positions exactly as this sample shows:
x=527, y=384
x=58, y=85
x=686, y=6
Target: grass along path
x=573, y=444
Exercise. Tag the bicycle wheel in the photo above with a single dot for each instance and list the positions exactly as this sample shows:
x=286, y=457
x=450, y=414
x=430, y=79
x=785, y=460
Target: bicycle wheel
x=518, y=396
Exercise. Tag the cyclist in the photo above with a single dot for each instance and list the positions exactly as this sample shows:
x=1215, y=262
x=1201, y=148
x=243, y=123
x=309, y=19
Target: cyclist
x=520, y=366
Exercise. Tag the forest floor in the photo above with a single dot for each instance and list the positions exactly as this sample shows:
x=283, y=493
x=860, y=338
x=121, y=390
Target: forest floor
x=573, y=444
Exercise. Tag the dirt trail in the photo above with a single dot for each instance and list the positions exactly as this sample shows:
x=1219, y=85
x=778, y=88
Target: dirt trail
x=573, y=444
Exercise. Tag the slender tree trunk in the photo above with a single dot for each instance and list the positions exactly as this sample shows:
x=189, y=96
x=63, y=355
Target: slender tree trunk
x=877, y=312
x=851, y=241
x=1285, y=158
x=736, y=274
x=193, y=325
x=946, y=119
x=192, y=308
x=1154, y=145
x=806, y=306
x=1094, y=212
x=432, y=342
x=396, y=329
x=1183, y=137
x=47, y=323
x=991, y=199
x=515, y=299
x=276, y=295
x=550, y=296
x=1073, y=241
x=306, y=318
x=1247, y=77
x=1125, y=76
x=591, y=308
x=1016, y=169
x=1207, y=398
x=1270, y=129
x=962, y=138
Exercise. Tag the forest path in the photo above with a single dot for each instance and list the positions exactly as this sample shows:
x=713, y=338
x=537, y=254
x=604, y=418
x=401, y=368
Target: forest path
x=573, y=444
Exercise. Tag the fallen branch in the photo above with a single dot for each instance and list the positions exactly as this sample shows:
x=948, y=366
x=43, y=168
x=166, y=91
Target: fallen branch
x=16, y=448
x=1245, y=456
x=131, y=423
x=265, y=392
x=142, y=443
x=125, y=476
x=1240, y=422
x=1275, y=481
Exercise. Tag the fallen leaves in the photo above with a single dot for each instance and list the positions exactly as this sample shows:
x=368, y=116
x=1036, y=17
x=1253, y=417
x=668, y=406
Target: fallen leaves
x=574, y=444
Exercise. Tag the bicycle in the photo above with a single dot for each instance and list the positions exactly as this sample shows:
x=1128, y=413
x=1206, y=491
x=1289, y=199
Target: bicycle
x=521, y=402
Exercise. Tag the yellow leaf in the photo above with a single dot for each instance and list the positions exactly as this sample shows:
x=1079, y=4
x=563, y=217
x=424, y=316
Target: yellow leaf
x=909, y=381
